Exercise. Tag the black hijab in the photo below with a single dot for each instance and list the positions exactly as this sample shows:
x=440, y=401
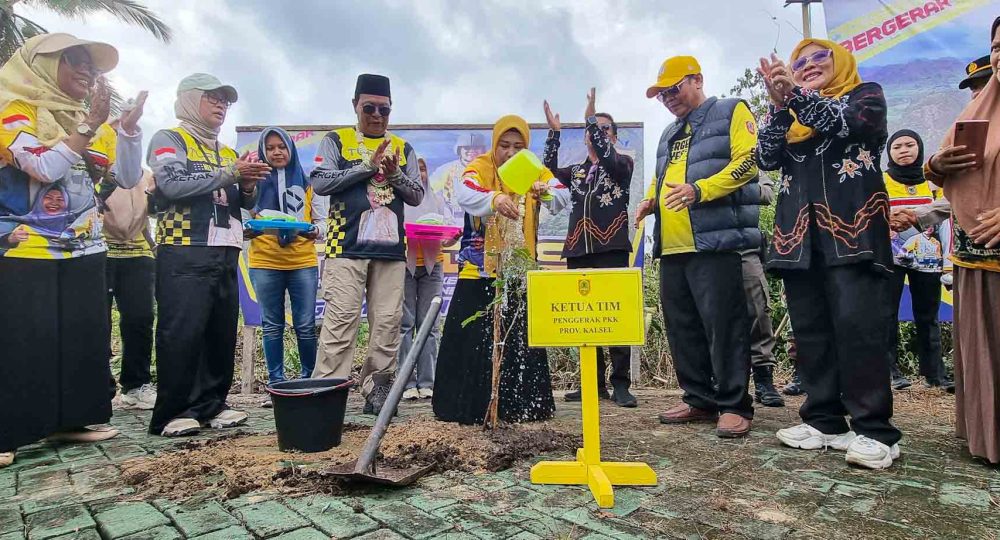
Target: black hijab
x=913, y=173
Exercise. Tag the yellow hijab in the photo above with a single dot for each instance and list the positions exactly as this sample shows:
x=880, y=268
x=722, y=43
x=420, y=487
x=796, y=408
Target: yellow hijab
x=35, y=83
x=845, y=78
x=485, y=169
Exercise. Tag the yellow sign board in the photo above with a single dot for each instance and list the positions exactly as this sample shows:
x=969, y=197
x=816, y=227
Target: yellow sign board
x=577, y=308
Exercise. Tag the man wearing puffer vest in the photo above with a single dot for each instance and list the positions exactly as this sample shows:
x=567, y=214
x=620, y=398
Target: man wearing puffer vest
x=706, y=201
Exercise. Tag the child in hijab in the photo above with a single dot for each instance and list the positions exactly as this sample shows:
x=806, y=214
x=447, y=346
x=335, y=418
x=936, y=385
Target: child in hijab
x=918, y=257
x=286, y=261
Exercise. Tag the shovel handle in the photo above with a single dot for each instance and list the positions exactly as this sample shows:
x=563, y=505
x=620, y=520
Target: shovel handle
x=367, y=456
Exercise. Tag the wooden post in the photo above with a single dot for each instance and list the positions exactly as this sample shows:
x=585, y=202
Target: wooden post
x=249, y=336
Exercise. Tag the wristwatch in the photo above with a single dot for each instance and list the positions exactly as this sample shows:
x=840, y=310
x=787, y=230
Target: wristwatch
x=591, y=120
x=84, y=129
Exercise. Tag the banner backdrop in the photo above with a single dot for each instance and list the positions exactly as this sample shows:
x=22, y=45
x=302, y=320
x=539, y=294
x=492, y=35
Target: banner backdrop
x=446, y=149
x=918, y=52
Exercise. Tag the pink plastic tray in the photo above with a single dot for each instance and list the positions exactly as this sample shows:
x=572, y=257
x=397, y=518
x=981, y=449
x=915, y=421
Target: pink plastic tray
x=423, y=231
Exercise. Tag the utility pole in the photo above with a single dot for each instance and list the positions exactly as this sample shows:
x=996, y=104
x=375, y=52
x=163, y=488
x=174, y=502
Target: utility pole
x=806, y=15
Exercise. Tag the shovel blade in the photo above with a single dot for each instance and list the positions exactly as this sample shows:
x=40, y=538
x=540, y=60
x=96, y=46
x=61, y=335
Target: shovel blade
x=388, y=476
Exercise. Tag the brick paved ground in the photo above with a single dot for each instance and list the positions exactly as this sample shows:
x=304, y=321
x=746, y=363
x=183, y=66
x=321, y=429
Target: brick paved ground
x=709, y=489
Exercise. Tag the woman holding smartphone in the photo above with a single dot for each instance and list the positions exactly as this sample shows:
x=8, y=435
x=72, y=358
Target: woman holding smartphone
x=972, y=183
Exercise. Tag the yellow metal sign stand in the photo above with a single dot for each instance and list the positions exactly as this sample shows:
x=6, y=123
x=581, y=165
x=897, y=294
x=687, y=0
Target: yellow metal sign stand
x=595, y=289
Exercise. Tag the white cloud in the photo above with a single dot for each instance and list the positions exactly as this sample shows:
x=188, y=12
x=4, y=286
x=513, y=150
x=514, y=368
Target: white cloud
x=450, y=61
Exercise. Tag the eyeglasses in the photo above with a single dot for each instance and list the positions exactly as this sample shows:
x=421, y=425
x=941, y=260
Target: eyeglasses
x=78, y=58
x=217, y=99
x=817, y=57
x=670, y=91
x=369, y=108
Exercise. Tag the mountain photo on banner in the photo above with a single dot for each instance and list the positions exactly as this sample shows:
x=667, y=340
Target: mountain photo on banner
x=917, y=51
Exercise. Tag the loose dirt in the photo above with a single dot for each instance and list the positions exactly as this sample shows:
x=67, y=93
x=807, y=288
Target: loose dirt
x=227, y=467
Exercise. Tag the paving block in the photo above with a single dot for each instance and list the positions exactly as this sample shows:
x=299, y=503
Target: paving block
x=307, y=533
x=34, y=457
x=409, y=520
x=79, y=451
x=198, y=519
x=229, y=533
x=158, y=533
x=42, y=478
x=123, y=452
x=95, y=476
x=592, y=521
x=525, y=535
x=332, y=516
x=123, y=519
x=58, y=521
x=12, y=536
x=10, y=520
x=269, y=518
x=86, y=534
x=964, y=495
x=479, y=524
x=536, y=522
x=381, y=534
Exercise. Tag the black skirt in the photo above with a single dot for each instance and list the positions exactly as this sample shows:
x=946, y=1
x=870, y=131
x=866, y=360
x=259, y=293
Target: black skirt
x=463, y=378
x=54, y=365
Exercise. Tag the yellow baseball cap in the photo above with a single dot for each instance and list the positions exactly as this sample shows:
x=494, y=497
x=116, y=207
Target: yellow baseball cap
x=672, y=70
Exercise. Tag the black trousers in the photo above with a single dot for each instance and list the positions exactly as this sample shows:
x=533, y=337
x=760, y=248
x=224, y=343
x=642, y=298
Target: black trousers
x=53, y=347
x=708, y=327
x=621, y=357
x=197, y=297
x=841, y=316
x=925, y=295
x=130, y=285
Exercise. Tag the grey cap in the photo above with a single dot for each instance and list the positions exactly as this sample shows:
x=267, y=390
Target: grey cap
x=206, y=82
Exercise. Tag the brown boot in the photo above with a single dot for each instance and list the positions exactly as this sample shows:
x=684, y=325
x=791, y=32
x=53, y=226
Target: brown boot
x=684, y=413
x=732, y=426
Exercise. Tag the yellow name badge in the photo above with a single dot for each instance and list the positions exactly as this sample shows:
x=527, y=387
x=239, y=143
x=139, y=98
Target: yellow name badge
x=577, y=308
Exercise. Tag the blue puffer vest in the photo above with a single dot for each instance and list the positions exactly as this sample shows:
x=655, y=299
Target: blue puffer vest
x=727, y=224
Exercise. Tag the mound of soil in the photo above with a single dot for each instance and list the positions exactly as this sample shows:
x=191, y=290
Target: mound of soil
x=227, y=467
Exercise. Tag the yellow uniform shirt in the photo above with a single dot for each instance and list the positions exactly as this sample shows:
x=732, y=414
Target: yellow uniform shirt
x=676, y=234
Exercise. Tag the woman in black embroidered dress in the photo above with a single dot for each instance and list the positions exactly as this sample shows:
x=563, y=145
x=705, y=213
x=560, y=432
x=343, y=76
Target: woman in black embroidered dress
x=825, y=131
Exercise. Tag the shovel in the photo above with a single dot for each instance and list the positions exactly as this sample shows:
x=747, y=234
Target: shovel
x=363, y=469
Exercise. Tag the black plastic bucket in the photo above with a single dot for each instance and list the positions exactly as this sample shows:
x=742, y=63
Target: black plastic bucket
x=309, y=413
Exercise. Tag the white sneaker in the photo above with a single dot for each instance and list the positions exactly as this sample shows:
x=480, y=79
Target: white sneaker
x=228, y=418
x=6, y=459
x=807, y=437
x=426, y=393
x=870, y=453
x=179, y=427
x=142, y=398
x=411, y=393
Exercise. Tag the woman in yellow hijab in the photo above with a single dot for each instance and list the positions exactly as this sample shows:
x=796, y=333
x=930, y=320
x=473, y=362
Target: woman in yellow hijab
x=55, y=152
x=825, y=131
x=499, y=224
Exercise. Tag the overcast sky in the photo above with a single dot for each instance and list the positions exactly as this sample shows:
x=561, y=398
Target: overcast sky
x=450, y=61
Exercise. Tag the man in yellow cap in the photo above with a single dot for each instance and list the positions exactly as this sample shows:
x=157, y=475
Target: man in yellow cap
x=706, y=201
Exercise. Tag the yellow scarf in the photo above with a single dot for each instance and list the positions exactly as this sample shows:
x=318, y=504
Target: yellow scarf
x=36, y=84
x=485, y=169
x=845, y=78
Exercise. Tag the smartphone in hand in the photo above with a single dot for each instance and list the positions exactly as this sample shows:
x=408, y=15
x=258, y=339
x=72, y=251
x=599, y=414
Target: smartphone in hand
x=972, y=135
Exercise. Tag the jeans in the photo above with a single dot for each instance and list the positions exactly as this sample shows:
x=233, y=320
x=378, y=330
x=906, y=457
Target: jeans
x=418, y=290
x=301, y=285
x=925, y=295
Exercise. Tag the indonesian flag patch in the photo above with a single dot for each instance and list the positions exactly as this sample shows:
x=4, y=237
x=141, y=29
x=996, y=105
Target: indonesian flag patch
x=164, y=153
x=16, y=121
x=318, y=160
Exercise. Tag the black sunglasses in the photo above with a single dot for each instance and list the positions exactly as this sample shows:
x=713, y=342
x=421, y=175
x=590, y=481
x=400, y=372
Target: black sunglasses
x=383, y=110
x=78, y=57
x=217, y=99
x=670, y=91
x=607, y=128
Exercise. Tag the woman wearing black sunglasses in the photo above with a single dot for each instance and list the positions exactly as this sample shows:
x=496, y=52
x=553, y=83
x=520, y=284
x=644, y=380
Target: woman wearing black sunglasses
x=825, y=132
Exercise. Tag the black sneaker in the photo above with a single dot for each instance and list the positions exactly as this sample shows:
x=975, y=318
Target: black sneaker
x=901, y=383
x=623, y=398
x=602, y=393
x=794, y=386
x=764, y=391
